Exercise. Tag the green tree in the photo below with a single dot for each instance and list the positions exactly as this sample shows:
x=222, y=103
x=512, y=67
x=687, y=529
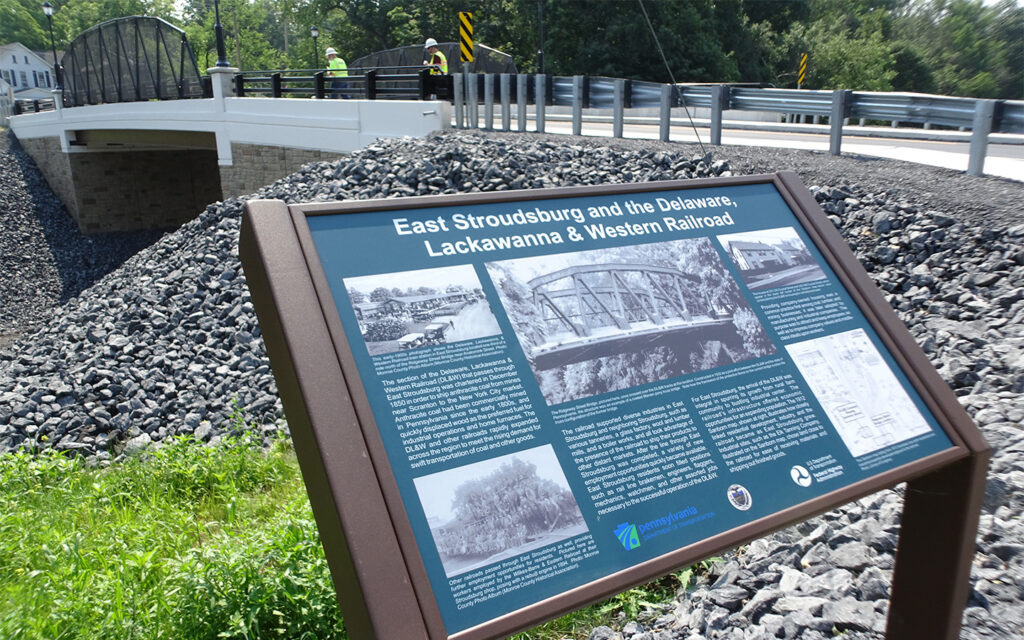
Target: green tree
x=19, y=22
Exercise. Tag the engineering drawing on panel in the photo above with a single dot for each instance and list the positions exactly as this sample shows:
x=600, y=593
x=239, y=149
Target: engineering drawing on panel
x=597, y=321
x=496, y=509
x=862, y=397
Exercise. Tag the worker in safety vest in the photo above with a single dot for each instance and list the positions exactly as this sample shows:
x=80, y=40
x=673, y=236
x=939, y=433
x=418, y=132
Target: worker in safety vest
x=437, y=61
x=336, y=69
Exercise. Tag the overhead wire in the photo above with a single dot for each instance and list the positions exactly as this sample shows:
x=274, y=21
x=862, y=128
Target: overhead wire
x=671, y=76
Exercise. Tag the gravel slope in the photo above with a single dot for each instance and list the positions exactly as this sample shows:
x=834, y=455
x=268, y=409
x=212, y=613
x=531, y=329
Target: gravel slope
x=165, y=343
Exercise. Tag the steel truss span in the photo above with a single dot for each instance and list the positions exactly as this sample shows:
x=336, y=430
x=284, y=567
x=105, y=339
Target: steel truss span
x=129, y=60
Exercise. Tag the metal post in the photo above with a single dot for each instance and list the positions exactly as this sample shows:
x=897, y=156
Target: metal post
x=48, y=10
x=318, y=85
x=618, y=107
x=540, y=97
x=719, y=94
x=666, y=112
x=474, y=117
x=506, y=99
x=371, y=84
x=275, y=85
x=488, y=101
x=423, y=84
x=984, y=111
x=459, y=100
x=222, y=56
x=522, y=81
x=840, y=106
x=931, y=579
x=315, y=31
x=577, y=105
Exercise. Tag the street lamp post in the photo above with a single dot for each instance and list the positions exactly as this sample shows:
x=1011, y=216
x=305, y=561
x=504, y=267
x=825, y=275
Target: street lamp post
x=314, y=31
x=222, y=56
x=48, y=10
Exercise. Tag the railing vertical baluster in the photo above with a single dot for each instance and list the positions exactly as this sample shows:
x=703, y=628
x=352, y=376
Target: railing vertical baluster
x=665, y=128
x=422, y=84
x=577, y=105
x=239, y=85
x=522, y=84
x=371, y=84
x=488, y=101
x=618, y=107
x=275, y=85
x=539, y=99
x=318, y=85
x=506, y=99
x=459, y=100
x=984, y=111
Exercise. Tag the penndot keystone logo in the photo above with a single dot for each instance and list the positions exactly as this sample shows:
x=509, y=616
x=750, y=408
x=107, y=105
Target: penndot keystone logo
x=628, y=536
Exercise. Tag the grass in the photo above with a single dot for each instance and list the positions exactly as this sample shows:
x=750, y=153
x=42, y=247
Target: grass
x=186, y=542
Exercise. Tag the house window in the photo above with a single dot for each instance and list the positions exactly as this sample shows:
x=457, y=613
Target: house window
x=14, y=78
x=14, y=58
x=6, y=76
x=26, y=59
x=35, y=78
x=48, y=79
x=24, y=79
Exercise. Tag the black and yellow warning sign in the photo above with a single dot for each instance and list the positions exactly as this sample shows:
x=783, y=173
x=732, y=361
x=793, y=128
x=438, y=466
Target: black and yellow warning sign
x=802, y=73
x=466, y=35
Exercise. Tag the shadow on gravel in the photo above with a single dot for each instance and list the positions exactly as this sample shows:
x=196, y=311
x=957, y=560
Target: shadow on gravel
x=57, y=261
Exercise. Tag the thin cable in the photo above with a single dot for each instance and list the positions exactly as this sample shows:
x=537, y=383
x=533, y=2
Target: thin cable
x=670, y=74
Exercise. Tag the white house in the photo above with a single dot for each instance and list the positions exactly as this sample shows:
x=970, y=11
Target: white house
x=29, y=75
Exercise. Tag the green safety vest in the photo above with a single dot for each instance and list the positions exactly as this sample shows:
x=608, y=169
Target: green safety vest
x=338, y=68
x=439, y=59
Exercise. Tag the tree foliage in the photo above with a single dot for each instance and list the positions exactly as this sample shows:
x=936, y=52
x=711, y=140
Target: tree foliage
x=955, y=47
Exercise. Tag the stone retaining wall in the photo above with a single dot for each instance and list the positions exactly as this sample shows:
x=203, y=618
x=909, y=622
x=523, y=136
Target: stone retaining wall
x=255, y=166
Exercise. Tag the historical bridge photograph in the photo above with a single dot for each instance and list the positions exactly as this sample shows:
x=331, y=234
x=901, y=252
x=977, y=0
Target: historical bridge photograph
x=423, y=308
x=488, y=511
x=771, y=258
x=596, y=321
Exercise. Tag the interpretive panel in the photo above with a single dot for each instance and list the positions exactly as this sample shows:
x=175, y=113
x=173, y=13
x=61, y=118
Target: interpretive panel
x=566, y=388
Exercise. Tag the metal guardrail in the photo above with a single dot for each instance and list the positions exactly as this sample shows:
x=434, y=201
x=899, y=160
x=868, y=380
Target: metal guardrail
x=33, y=106
x=981, y=117
x=395, y=83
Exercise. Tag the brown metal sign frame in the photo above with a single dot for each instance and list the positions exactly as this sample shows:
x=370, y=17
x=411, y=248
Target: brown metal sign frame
x=378, y=572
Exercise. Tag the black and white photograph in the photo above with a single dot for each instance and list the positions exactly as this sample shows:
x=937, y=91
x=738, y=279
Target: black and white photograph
x=592, y=322
x=771, y=258
x=424, y=308
x=488, y=511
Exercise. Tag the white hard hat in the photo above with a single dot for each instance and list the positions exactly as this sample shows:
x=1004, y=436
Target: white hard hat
x=430, y=43
x=331, y=51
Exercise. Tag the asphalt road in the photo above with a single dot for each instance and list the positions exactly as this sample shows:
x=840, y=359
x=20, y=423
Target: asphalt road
x=1004, y=160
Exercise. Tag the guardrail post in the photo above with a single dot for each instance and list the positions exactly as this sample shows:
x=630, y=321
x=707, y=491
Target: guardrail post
x=719, y=97
x=666, y=112
x=840, y=109
x=540, y=97
x=474, y=114
x=275, y=85
x=618, y=107
x=984, y=111
x=577, y=105
x=318, y=85
x=458, y=99
x=488, y=101
x=522, y=82
x=371, y=84
x=506, y=102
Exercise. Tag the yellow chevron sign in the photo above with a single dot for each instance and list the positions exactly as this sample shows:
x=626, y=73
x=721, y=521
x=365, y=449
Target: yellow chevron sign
x=466, y=35
x=803, y=69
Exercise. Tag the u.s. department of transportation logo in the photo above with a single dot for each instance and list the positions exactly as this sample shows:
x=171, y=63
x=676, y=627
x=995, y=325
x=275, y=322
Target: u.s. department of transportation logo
x=628, y=536
x=739, y=497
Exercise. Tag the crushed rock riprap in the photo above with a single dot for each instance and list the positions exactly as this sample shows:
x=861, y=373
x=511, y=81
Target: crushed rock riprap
x=167, y=344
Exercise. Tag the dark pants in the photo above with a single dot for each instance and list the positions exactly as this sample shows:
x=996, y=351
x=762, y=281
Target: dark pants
x=338, y=84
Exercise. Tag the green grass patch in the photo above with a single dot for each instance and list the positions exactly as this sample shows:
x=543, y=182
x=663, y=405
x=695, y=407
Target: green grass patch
x=190, y=542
